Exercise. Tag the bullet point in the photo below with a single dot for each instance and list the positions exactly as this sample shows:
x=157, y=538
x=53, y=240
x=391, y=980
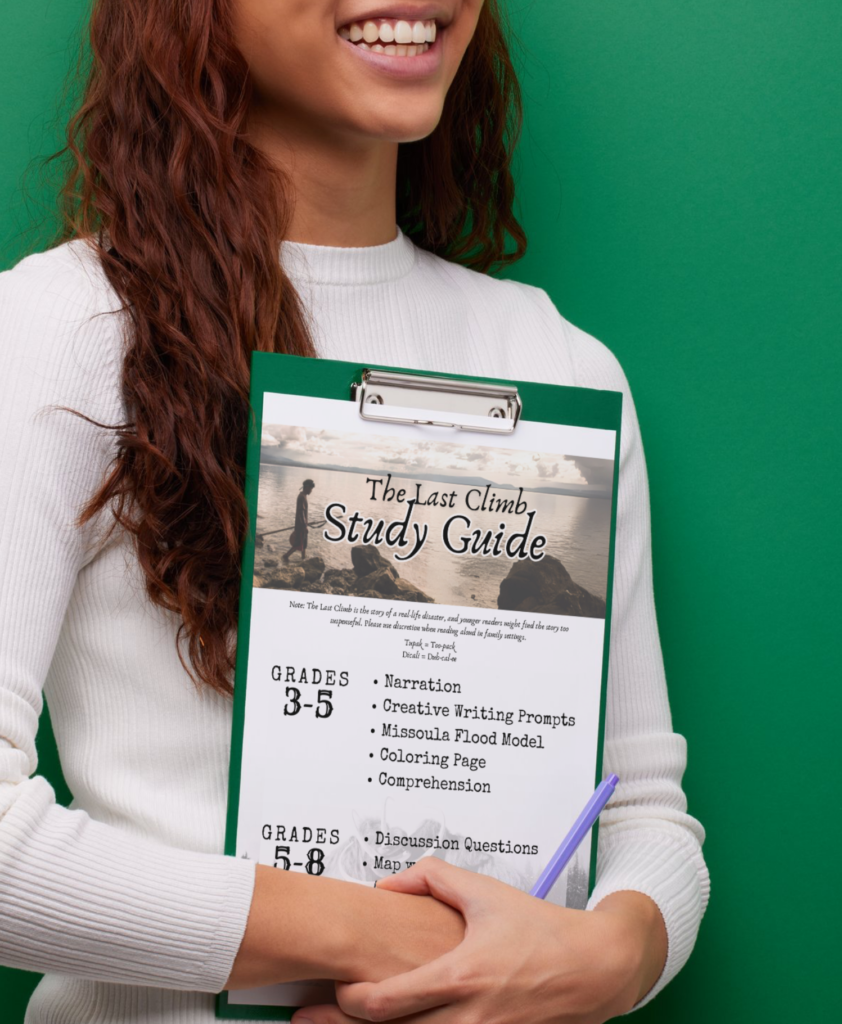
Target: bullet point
x=372, y=730
x=369, y=780
x=366, y=839
x=374, y=705
x=365, y=863
x=371, y=755
x=375, y=682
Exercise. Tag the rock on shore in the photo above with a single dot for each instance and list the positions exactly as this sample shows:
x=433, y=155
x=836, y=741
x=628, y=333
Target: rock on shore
x=371, y=576
x=546, y=586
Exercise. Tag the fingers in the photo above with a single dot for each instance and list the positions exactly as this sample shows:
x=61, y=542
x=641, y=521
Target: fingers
x=429, y=990
x=432, y=876
x=426, y=988
x=334, y=1015
x=322, y=1015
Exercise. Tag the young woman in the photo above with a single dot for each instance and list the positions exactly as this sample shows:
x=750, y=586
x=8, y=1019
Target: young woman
x=294, y=176
x=298, y=537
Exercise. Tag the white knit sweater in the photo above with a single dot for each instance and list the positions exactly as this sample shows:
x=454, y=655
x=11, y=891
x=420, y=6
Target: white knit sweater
x=125, y=899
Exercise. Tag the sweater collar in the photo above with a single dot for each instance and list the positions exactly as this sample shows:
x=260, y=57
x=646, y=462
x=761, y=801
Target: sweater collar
x=354, y=265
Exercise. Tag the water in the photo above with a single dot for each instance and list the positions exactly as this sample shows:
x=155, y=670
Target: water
x=577, y=531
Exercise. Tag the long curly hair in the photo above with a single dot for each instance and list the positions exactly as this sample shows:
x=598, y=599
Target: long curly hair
x=187, y=217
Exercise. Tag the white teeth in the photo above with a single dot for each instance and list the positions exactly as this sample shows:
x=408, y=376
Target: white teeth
x=402, y=38
x=403, y=32
x=395, y=50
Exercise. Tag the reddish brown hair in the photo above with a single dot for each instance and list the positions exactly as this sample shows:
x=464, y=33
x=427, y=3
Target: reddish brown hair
x=187, y=218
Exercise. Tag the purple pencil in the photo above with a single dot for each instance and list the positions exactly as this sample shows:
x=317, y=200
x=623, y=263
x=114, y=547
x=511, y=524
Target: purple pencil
x=583, y=824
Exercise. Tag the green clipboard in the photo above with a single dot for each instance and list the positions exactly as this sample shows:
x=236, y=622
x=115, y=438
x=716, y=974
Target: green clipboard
x=512, y=403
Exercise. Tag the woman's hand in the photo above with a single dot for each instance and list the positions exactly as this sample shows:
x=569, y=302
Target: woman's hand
x=521, y=960
x=300, y=927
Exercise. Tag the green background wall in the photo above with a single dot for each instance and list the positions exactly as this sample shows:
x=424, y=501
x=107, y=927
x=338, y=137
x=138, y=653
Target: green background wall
x=680, y=183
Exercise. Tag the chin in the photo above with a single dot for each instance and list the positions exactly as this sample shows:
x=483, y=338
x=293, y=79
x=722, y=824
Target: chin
x=403, y=129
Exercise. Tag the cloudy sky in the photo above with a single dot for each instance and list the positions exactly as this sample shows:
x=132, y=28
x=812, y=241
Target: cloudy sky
x=498, y=465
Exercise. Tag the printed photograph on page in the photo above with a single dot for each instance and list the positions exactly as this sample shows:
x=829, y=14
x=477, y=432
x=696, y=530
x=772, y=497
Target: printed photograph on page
x=432, y=521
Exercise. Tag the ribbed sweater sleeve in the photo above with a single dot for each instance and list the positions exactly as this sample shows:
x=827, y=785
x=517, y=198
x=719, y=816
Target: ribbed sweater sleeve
x=647, y=841
x=77, y=896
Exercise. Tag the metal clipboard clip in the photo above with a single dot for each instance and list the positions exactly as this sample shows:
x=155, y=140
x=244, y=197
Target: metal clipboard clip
x=387, y=397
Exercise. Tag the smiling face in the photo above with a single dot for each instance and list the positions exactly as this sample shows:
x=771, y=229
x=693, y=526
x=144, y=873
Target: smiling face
x=360, y=68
